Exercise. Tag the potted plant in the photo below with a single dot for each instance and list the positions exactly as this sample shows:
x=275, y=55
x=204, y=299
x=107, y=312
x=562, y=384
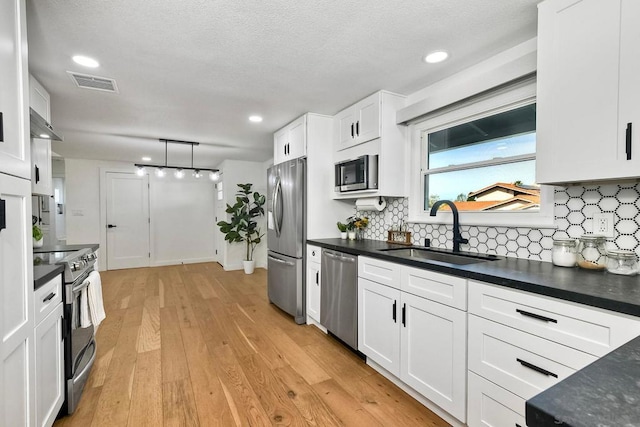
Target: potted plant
x=243, y=227
x=37, y=236
x=343, y=230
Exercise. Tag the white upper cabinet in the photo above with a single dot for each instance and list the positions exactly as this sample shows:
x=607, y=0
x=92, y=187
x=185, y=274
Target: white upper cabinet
x=359, y=123
x=290, y=142
x=39, y=99
x=41, y=178
x=367, y=128
x=588, y=125
x=14, y=108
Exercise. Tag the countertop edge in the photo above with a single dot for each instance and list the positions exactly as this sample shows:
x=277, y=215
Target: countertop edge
x=44, y=273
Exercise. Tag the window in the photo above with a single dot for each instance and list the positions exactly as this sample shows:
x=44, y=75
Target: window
x=484, y=164
x=481, y=154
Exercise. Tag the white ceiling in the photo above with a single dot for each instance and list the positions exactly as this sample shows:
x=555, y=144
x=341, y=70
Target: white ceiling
x=195, y=70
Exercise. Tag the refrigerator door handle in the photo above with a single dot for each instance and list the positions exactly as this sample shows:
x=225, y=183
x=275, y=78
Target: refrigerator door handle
x=274, y=208
x=281, y=261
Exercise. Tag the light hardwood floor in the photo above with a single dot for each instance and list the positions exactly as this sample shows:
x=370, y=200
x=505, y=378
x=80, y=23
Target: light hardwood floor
x=193, y=345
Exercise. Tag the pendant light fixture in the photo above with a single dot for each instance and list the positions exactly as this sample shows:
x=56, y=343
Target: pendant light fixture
x=214, y=174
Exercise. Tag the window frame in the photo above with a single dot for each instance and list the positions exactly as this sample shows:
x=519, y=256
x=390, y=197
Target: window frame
x=497, y=101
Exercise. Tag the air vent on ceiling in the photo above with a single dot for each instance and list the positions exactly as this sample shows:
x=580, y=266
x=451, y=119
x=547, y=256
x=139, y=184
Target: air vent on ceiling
x=93, y=82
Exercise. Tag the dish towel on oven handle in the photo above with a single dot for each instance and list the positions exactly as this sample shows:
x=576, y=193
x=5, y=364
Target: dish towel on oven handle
x=85, y=318
x=96, y=305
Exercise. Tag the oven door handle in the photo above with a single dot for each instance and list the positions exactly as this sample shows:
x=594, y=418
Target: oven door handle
x=81, y=286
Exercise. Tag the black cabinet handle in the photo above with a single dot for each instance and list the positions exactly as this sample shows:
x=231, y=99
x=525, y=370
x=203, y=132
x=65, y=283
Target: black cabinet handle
x=287, y=148
x=317, y=277
x=3, y=214
x=404, y=315
x=536, y=316
x=352, y=135
x=111, y=226
x=37, y=174
x=536, y=368
x=1, y=128
x=395, y=320
x=628, y=140
x=48, y=297
x=358, y=128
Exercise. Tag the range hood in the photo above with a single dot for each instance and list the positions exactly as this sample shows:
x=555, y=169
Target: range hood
x=40, y=128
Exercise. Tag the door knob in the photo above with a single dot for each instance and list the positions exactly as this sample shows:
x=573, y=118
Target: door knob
x=111, y=226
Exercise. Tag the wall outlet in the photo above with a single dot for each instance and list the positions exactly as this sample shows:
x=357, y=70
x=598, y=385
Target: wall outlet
x=603, y=224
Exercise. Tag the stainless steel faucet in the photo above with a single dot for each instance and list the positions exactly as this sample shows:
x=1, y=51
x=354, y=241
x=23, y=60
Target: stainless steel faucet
x=457, y=237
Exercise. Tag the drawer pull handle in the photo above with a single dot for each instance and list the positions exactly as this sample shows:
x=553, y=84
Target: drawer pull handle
x=536, y=368
x=536, y=316
x=49, y=297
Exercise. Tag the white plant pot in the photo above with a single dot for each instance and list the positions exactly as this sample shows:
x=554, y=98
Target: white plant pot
x=352, y=235
x=343, y=235
x=38, y=243
x=249, y=266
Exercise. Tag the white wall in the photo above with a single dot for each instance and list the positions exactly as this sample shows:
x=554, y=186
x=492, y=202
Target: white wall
x=236, y=172
x=182, y=213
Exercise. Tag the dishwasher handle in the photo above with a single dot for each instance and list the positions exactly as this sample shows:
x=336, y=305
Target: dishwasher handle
x=341, y=258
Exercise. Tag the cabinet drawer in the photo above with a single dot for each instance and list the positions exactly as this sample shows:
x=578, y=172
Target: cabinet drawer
x=384, y=272
x=47, y=297
x=520, y=362
x=493, y=406
x=314, y=254
x=442, y=288
x=588, y=329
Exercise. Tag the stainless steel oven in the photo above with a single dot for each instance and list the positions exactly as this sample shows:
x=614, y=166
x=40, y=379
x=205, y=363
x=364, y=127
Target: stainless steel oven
x=357, y=174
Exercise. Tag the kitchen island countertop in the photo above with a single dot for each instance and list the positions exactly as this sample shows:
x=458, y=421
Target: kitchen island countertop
x=65, y=248
x=604, y=393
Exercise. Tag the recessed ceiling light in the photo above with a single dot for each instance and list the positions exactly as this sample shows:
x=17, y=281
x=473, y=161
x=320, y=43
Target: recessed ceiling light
x=146, y=159
x=255, y=119
x=44, y=135
x=85, y=61
x=437, y=56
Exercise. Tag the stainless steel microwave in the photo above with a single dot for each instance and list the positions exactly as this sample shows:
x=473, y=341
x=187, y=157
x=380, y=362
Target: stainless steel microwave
x=357, y=174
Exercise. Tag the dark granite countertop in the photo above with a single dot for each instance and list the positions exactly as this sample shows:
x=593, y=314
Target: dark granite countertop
x=605, y=393
x=65, y=248
x=43, y=273
x=594, y=288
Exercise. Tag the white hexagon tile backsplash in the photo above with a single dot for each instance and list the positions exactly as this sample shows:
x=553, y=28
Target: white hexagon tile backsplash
x=573, y=211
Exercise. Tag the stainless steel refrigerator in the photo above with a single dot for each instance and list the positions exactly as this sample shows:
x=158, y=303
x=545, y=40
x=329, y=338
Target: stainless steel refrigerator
x=286, y=236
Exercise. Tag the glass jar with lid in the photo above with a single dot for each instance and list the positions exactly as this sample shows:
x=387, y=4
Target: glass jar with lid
x=564, y=252
x=622, y=262
x=592, y=254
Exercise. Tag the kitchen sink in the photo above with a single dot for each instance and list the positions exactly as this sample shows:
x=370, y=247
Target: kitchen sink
x=429, y=254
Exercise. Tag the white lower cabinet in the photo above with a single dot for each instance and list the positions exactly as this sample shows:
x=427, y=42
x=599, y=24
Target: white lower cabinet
x=419, y=341
x=49, y=368
x=313, y=283
x=493, y=406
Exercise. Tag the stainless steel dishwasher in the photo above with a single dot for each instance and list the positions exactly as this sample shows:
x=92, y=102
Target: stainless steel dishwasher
x=339, y=296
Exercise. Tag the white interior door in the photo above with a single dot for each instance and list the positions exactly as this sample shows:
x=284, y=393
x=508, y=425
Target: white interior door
x=221, y=215
x=127, y=221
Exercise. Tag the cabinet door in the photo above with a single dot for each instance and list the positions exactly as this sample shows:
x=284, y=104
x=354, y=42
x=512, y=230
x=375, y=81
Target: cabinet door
x=378, y=324
x=39, y=99
x=577, y=128
x=345, y=123
x=493, y=406
x=313, y=291
x=280, y=146
x=49, y=368
x=629, y=84
x=433, y=338
x=367, y=117
x=16, y=303
x=14, y=108
x=297, y=139
x=41, y=181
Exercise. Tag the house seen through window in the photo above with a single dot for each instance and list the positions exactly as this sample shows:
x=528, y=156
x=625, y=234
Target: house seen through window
x=486, y=164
